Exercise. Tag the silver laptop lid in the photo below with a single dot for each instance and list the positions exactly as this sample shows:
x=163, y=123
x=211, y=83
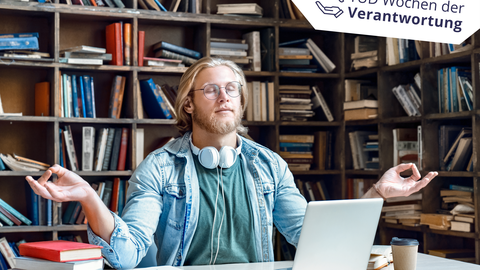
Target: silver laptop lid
x=337, y=234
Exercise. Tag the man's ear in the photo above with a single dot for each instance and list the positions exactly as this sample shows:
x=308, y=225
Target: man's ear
x=188, y=105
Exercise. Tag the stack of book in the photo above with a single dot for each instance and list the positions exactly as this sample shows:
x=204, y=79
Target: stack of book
x=84, y=55
x=401, y=50
x=360, y=100
x=77, y=96
x=464, y=255
x=293, y=59
x=404, y=210
x=295, y=102
x=458, y=200
x=408, y=96
x=455, y=92
x=241, y=9
x=22, y=164
x=360, y=154
x=405, y=146
x=59, y=254
x=164, y=49
x=109, y=154
x=22, y=46
x=320, y=60
x=296, y=150
x=436, y=221
x=235, y=50
x=365, y=53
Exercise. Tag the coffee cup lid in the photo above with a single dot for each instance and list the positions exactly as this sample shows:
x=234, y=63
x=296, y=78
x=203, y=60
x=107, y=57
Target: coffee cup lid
x=403, y=242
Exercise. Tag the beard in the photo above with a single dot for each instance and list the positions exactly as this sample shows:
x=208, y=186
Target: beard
x=212, y=123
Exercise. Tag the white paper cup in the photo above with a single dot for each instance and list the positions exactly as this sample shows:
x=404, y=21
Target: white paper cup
x=404, y=253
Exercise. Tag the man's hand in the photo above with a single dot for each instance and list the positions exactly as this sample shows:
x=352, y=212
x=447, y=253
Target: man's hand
x=391, y=184
x=68, y=187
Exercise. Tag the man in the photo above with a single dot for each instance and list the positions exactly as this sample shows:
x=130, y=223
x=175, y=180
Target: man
x=195, y=211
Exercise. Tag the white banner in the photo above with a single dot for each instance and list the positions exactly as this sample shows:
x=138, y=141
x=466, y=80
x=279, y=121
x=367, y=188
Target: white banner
x=446, y=21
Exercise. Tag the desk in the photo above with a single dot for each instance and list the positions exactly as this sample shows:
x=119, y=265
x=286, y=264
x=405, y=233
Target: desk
x=424, y=262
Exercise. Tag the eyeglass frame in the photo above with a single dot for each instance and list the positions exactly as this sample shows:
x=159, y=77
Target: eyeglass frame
x=219, y=88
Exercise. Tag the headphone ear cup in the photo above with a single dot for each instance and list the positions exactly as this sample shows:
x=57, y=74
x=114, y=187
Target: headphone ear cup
x=209, y=157
x=228, y=156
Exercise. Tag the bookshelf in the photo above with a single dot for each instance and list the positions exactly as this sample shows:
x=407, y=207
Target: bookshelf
x=61, y=26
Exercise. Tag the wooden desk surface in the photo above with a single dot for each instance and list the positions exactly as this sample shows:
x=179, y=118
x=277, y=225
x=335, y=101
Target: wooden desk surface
x=424, y=262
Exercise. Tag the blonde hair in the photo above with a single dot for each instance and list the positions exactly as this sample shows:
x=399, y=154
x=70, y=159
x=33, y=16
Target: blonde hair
x=184, y=119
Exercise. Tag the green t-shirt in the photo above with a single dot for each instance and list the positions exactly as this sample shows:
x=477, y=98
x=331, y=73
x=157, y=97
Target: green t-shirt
x=237, y=242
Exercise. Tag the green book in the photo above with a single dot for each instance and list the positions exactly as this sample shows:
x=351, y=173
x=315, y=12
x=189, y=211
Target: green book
x=15, y=212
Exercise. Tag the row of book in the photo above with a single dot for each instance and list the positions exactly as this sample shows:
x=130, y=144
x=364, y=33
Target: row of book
x=103, y=149
x=57, y=254
x=456, y=150
x=455, y=91
x=313, y=190
x=401, y=50
x=408, y=96
x=303, y=55
x=360, y=100
x=301, y=151
x=261, y=101
x=113, y=194
x=18, y=163
x=365, y=52
x=357, y=187
x=364, y=149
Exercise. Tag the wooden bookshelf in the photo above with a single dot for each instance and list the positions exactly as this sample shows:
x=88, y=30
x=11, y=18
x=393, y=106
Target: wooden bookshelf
x=61, y=26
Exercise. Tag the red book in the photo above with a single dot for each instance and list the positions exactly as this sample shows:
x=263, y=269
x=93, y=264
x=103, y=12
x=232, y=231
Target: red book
x=127, y=43
x=122, y=156
x=10, y=216
x=42, y=99
x=115, y=194
x=114, y=43
x=141, y=47
x=61, y=251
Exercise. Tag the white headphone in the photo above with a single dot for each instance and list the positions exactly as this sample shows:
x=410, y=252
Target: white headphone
x=210, y=158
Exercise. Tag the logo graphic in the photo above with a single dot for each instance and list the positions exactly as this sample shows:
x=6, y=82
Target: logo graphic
x=335, y=11
x=445, y=21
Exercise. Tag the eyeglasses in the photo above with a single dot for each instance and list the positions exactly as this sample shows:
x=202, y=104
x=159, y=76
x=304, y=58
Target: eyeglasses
x=212, y=91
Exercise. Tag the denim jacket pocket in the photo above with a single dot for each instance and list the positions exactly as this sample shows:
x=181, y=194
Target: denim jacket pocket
x=176, y=190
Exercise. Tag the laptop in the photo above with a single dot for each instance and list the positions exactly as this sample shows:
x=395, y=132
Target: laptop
x=337, y=234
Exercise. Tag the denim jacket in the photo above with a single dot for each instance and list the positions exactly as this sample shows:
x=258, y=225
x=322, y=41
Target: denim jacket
x=163, y=205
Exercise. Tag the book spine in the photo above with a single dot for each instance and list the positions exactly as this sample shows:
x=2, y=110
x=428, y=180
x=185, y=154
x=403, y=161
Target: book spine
x=101, y=145
x=19, y=35
x=122, y=156
x=127, y=50
x=114, y=97
x=256, y=91
x=180, y=50
x=323, y=104
x=108, y=149
x=221, y=45
x=24, y=43
x=395, y=91
x=87, y=148
x=227, y=52
x=141, y=47
x=114, y=43
x=92, y=94
x=7, y=252
x=5, y=219
x=115, y=149
x=15, y=212
x=76, y=112
x=49, y=217
x=42, y=99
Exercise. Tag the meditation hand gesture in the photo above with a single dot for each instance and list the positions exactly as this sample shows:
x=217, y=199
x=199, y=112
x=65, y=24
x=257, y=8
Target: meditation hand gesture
x=393, y=185
x=68, y=187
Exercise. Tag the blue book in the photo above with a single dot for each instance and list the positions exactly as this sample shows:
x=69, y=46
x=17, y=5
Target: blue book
x=14, y=212
x=32, y=205
x=121, y=196
x=162, y=8
x=290, y=144
x=89, y=103
x=76, y=110
x=49, y=212
x=2, y=165
x=75, y=213
x=24, y=43
x=162, y=45
x=66, y=111
x=3, y=263
x=461, y=188
x=153, y=101
x=296, y=149
x=92, y=91
x=20, y=35
x=5, y=219
x=14, y=248
x=61, y=149
x=68, y=212
x=453, y=89
x=82, y=93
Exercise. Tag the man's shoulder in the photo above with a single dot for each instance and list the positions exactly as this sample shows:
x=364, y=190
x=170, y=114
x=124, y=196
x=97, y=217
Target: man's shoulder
x=253, y=148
